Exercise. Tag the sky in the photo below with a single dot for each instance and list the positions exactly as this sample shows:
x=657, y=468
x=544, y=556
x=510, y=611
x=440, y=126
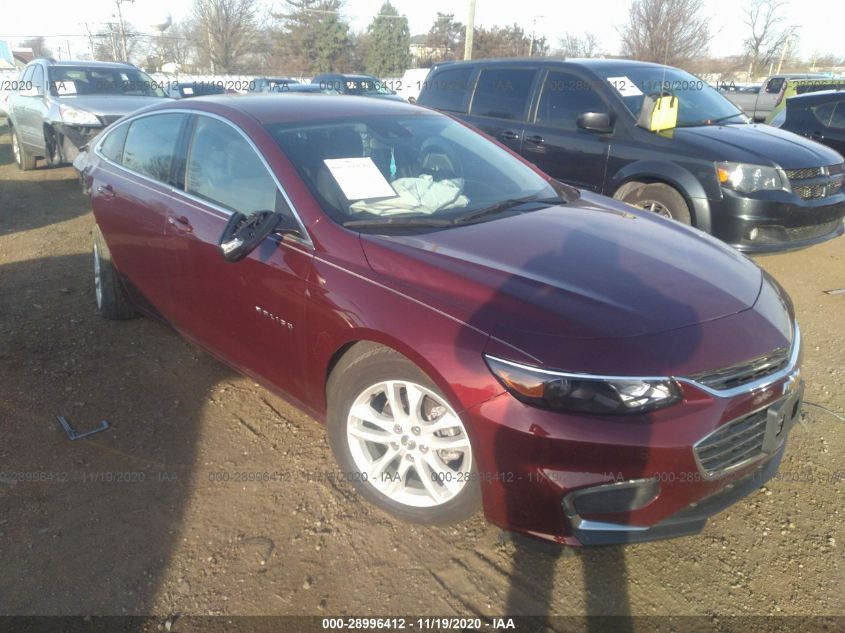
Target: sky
x=818, y=33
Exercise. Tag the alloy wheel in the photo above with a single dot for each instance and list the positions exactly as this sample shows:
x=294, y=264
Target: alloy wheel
x=655, y=207
x=409, y=444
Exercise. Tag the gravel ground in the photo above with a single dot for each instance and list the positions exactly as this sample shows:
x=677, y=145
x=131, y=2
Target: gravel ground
x=133, y=521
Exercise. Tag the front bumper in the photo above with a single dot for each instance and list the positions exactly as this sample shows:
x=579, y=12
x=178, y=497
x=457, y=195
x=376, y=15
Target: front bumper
x=597, y=480
x=74, y=138
x=774, y=221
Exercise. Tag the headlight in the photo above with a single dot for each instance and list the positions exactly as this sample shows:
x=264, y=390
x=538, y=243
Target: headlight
x=583, y=393
x=749, y=178
x=78, y=117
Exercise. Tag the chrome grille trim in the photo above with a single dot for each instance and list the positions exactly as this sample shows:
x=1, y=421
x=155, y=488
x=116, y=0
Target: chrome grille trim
x=759, y=383
x=744, y=372
x=802, y=174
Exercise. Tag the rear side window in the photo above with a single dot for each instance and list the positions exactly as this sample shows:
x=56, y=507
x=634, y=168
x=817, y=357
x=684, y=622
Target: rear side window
x=150, y=144
x=503, y=93
x=25, y=81
x=38, y=79
x=223, y=168
x=564, y=98
x=448, y=90
x=837, y=119
x=774, y=85
x=112, y=146
x=823, y=112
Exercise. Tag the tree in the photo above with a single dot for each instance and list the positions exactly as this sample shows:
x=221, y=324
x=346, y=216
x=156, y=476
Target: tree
x=572, y=45
x=38, y=46
x=767, y=39
x=671, y=32
x=446, y=38
x=314, y=36
x=109, y=45
x=389, y=39
x=178, y=45
x=228, y=30
x=508, y=41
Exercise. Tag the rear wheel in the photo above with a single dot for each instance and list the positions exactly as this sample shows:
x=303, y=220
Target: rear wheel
x=397, y=439
x=23, y=158
x=112, y=300
x=660, y=199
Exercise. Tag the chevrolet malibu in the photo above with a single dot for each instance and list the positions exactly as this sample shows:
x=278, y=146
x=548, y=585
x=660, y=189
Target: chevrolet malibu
x=472, y=332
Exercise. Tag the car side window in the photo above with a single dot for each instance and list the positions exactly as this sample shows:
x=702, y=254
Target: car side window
x=503, y=93
x=564, y=98
x=223, y=168
x=150, y=144
x=837, y=118
x=112, y=145
x=448, y=90
x=823, y=112
x=774, y=85
x=38, y=79
x=26, y=78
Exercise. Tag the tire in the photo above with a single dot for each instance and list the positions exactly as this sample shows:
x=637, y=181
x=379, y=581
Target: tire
x=112, y=300
x=23, y=158
x=53, y=143
x=361, y=380
x=661, y=199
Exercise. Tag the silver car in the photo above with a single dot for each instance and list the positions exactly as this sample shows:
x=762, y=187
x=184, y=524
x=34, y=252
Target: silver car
x=59, y=106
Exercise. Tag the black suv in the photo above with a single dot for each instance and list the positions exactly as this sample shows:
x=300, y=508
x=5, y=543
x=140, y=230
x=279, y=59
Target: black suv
x=754, y=186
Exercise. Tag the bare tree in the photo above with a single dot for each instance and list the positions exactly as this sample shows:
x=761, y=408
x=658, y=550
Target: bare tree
x=228, y=30
x=672, y=32
x=586, y=45
x=767, y=39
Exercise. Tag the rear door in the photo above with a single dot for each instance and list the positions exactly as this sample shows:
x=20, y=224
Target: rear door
x=501, y=101
x=827, y=124
x=554, y=142
x=248, y=312
x=23, y=106
x=131, y=194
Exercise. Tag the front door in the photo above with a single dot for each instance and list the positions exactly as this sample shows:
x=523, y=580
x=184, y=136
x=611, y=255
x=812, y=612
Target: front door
x=250, y=312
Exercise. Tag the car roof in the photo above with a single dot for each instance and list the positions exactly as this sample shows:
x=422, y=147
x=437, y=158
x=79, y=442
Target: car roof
x=590, y=62
x=819, y=95
x=293, y=107
x=345, y=76
x=83, y=62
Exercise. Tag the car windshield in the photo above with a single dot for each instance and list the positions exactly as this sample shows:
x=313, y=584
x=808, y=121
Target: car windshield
x=423, y=168
x=88, y=80
x=366, y=87
x=698, y=102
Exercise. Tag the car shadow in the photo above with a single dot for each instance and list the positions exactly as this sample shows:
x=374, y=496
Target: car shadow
x=88, y=526
x=603, y=569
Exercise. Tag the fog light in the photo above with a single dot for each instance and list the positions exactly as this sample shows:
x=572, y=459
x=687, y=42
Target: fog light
x=616, y=497
x=753, y=233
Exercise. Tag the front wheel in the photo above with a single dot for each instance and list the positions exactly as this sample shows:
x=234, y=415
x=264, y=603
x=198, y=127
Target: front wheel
x=398, y=440
x=660, y=199
x=23, y=158
x=112, y=300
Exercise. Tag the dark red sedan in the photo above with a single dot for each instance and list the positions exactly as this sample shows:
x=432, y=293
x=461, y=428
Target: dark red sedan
x=471, y=331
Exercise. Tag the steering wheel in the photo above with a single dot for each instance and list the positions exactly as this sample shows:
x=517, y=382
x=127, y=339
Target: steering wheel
x=243, y=234
x=438, y=161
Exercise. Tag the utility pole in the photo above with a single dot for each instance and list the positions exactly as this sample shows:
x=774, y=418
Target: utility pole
x=469, y=30
x=533, y=33
x=783, y=52
x=122, y=29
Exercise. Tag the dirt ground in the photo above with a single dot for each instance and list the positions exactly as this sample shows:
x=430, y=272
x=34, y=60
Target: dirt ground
x=153, y=516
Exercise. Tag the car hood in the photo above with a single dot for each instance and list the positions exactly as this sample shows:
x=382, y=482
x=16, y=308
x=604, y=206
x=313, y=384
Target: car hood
x=109, y=105
x=590, y=269
x=757, y=144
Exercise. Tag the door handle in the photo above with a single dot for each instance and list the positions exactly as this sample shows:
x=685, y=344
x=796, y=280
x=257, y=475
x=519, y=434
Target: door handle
x=536, y=139
x=106, y=190
x=180, y=222
x=508, y=135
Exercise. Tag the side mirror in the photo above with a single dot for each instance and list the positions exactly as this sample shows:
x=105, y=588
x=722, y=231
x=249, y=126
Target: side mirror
x=243, y=234
x=595, y=122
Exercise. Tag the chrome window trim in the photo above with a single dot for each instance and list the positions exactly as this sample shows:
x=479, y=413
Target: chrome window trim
x=306, y=237
x=760, y=383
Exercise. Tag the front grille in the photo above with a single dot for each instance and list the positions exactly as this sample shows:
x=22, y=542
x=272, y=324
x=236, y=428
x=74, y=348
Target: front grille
x=800, y=233
x=803, y=174
x=732, y=444
x=746, y=372
x=813, y=183
x=810, y=192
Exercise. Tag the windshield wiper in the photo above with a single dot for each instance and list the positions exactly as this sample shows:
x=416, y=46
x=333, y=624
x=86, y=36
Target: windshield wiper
x=504, y=205
x=397, y=222
x=711, y=121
